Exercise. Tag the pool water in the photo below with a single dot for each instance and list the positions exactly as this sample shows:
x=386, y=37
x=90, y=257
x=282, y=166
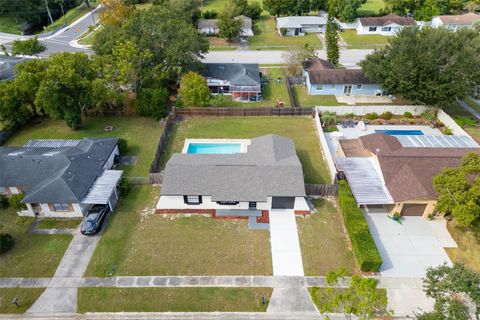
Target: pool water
x=214, y=148
x=401, y=132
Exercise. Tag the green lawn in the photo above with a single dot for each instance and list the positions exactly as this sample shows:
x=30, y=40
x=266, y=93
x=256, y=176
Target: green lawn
x=172, y=299
x=133, y=129
x=266, y=37
x=300, y=129
x=72, y=15
x=59, y=223
x=26, y=297
x=275, y=89
x=468, y=241
x=325, y=245
x=174, y=245
x=33, y=255
x=363, y=41
x=87, y=37
x=303, y=99
x=9, y=25
x=371, y=7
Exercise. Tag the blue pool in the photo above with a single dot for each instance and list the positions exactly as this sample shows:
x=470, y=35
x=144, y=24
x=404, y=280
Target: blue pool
x=214, y=148
x=401, y=132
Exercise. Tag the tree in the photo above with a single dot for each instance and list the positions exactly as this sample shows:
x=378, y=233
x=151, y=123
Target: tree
x=152, y=103
x=193, y=90
x=115, y=12
x=14, y=110
x=361, y=298
x=295, y=57
x=29, y=75
x=66, y=89
x=459, y=190
x=428, y=66
x=229, y=25
x=450, y=287
x=292, y=7
x=331, y=36
x=30, y=47
x=346, y=10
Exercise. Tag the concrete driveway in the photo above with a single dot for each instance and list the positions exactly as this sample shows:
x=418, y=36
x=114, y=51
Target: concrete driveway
x=410, y=248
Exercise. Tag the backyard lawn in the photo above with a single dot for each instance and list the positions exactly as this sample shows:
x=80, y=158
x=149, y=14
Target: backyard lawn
x=176, y=245
x=172, y=299
x=325, y=245
x=363, y=41
x=371, y=7
x=33, y=255
x=303, y=99
x=26, y=297
x=132, y=129
x=468, y=241
x=300, y=129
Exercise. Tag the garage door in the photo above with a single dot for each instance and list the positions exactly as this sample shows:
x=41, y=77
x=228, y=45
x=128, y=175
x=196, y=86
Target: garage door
x=413, y=209
x=283, y=202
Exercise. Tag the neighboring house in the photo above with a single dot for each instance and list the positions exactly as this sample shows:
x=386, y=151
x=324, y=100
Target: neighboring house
x=61, y=178
x=396, y=173
x=455, y=22
x=241, y=81
x=210, y=26
x=388, y=25
x=264, y=174
x=322, y=78
x=300, y=25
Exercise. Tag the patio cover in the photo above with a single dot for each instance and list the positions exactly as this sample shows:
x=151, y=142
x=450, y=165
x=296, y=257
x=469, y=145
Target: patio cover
x=437, y=141
x=366, y=184
x=103, y=188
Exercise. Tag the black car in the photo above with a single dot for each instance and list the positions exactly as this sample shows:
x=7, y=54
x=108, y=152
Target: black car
x=92, y=223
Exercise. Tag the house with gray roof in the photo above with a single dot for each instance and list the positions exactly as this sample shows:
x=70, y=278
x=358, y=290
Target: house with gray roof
x=61, y=178
x=388, y=25
x=210, y=26
x=301, y=25
x=264, y=174
x=240, y=80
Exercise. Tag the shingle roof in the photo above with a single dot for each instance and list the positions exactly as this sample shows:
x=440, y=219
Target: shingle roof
x=55, y=174
x=207, y=23
x=270, y=167
x=318, y=64
x=465, y=19
x=299, y=21
x=386, y=20
x=238, y=74
x=338, y=76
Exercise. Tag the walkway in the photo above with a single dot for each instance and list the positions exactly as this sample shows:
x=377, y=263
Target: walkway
x=474, y=112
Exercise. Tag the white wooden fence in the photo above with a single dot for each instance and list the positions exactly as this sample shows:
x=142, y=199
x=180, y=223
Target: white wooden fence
x=450, y=123
x=362, y=110
x=326, y=151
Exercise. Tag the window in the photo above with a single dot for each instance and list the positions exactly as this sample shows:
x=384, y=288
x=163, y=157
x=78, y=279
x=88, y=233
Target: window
x=252, y=205
x=372, y=29
x=359, y=86
x=387, y=29
x=61, y=207
x=319, y=87
x=227, y=203
x=192, y=199
x=4, y=190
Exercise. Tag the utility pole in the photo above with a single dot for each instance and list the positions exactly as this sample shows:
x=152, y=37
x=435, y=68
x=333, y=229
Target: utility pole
x=48, y=10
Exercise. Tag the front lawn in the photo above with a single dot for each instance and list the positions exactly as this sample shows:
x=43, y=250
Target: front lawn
x=59, y=223
x=325, y=245
x=33, y=255
x=142, y=136
x=363, y=41
x=468, y=241
x=266, y=37
x=219, y=44
x=300, y=129
x=26, y=297
x=172, y=299
x=303, y=99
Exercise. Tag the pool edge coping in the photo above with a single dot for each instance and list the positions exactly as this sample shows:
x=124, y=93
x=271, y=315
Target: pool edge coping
x=244, y=143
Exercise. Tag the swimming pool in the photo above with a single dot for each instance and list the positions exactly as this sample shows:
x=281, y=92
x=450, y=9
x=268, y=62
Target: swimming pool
x=214, y=148
x=401, y=132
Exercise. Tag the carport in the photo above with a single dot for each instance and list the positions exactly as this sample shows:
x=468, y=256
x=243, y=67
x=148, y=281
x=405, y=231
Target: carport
x=104, y=190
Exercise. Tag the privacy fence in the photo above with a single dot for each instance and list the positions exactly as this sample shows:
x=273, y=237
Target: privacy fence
x=155, y=176
x=243, y=112
x=323, y=190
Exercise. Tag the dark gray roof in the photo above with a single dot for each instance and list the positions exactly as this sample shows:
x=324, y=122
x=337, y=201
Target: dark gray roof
x=338, y=76
x=270, y=167
x=238, y=74
x=387, y=20
x=55, y=174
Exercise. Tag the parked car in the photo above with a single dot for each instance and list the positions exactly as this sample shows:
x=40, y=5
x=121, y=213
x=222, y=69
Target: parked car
x=93, y=221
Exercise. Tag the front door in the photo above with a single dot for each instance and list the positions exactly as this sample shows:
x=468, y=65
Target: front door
x=297, y=31
x=347, y=89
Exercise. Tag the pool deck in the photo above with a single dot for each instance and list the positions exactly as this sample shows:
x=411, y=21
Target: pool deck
x=244, y=143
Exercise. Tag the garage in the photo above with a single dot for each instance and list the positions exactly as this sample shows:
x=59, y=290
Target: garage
x=283, y=202
x=409, y=209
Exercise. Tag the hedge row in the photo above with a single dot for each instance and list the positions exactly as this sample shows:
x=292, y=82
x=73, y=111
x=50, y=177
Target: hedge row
x=364, y=247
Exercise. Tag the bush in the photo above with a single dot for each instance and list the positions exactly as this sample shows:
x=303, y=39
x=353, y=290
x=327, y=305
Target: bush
x=407, y=115
x=283, y=31
x=124, y=186
x=15, y=201
x=219, y=101
x=371, y=116
x=122, y=146
x=448, y=131
x=430, y=114
x=6, y=242
x=152, y=103
x=364, y=247
x=210, y=14
x=3, y=202
x=386, y=115
x=462, y=122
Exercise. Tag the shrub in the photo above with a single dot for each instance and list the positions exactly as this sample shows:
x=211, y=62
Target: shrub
x=152, y=103
x=462, y=122
x=283, y=31
x=122, y=146
x=430, y=114
x=3, y=202
x=219, y=100
x=124, y=186
x=386, y=115
x=407, y=115
x=6, y=242
x=329, y=118
x=364, y=247
x=448, y=131
x=210, y=14
x=371, y=116
x=15, y=201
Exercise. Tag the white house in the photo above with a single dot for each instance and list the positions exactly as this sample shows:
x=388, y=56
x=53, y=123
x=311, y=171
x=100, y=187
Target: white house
x=300, y=25
x=234, y=178
x=455, y=22
x=388, y=25
x=210, y=26
x=61, y=178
